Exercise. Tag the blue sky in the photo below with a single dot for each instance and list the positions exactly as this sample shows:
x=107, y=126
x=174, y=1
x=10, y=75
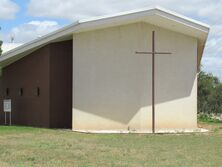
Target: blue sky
x=28, y=19
x=22, y=17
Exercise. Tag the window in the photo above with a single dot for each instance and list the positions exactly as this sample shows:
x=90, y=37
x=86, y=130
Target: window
x=37, y=91
x=7, y=91
x=20, y=91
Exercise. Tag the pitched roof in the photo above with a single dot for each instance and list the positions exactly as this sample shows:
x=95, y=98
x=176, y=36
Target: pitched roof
x=156, y=16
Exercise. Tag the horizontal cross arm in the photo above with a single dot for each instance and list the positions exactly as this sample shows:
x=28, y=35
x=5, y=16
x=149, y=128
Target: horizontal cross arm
x=163, y=53
x=153, y=53
x=144, y=52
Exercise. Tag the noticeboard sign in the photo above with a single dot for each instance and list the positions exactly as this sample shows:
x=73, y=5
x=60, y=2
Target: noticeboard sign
x=7, y=105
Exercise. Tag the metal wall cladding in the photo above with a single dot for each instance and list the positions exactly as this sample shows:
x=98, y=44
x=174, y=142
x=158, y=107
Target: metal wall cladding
x=40, y=87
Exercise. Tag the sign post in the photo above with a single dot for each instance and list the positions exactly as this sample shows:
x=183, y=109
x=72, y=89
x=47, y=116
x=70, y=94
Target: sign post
x=7, y=107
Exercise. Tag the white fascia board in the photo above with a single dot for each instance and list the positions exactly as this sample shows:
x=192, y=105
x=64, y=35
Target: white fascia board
x=153, y=11
x=183, y=19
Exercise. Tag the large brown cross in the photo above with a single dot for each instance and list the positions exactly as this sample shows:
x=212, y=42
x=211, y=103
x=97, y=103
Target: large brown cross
x=154, y=52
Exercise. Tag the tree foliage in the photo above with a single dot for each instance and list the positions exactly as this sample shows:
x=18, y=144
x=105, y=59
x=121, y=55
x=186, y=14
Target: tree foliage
x=1, y=47
x=209, y=94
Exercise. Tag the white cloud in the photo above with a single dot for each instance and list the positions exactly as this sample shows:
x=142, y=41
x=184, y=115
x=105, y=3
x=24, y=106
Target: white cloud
x=213, y=65
x=212, y=58
x=9, y=46
x=70, y=9
x=76, y=9
x=214, y=43
x=212, y=9
x=8, y=9
x=31, y=30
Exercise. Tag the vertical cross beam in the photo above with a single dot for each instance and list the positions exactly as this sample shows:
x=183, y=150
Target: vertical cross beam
x=153, y=53
x=153, y=81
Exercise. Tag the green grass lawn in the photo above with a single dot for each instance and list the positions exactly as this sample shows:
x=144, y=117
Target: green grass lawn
x=26, y=147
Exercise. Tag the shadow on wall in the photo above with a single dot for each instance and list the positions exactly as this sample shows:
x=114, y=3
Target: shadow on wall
x=118, y=100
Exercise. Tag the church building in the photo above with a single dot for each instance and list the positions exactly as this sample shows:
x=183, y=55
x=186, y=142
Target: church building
x=131, y=71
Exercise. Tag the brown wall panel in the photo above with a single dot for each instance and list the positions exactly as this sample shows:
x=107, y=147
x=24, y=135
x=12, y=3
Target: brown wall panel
x=39, y=69
x=61, y=85
x=28, y=73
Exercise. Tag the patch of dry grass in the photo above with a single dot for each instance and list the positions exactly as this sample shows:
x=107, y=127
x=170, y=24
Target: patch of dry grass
x=21, y=146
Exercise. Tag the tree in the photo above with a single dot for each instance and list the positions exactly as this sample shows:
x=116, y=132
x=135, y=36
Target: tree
x=1, y=47
x=1, y=42
x=209, y=94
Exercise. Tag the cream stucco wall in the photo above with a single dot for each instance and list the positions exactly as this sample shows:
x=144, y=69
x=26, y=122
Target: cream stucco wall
x=112, y=85
x=176, y=81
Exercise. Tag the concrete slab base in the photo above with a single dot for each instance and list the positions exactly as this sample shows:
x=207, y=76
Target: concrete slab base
x=162, y=131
